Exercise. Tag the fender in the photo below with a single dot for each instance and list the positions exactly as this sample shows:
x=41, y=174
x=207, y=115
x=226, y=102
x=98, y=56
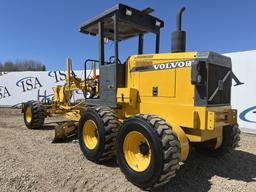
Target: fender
x=184, y=143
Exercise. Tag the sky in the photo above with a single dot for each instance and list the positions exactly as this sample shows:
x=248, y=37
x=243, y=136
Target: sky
x=48, y=30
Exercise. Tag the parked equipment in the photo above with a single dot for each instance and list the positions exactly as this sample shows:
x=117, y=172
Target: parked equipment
x=153, y=106
x=35, y=112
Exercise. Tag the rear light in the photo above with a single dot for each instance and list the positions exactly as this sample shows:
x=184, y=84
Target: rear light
x=200, y=67
x=199, y=78
x=199, y=73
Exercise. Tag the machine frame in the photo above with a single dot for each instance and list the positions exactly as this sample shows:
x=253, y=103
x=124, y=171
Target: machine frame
x=119, y=23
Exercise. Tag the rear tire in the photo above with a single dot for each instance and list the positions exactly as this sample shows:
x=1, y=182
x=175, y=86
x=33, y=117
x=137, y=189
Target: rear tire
x=231, y=137
x=34, y=114
x=164, y=151
x=97, y=131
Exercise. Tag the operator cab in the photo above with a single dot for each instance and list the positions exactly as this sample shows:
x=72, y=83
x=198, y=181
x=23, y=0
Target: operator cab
x=119, y=23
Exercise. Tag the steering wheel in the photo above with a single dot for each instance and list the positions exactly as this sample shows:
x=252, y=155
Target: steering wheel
x=112, y=60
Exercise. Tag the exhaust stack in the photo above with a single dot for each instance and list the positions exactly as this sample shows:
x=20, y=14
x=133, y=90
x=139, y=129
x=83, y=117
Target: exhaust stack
x=179, y=36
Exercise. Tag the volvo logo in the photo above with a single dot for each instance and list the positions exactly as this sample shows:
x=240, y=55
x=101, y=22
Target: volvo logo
x=163, y=66
x=29, y=83
x=173, y=65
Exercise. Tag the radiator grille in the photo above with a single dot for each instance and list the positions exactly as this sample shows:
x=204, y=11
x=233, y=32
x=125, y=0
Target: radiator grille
x=216, y=73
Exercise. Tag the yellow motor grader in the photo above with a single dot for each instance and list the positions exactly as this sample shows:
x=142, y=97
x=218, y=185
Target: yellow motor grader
x=35, y=112
x=152, y=107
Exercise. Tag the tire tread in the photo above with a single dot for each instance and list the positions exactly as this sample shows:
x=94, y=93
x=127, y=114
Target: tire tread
x=111, y=125
x=38, y=115
x=170, y=146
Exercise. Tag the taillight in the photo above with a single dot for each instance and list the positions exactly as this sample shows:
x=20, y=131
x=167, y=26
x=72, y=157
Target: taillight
x=199, y=73
x=200, y=66
x=199, y=78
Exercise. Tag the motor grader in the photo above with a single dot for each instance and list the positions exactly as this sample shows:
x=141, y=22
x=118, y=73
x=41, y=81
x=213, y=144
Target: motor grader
x=152, y=108
x=35, y=112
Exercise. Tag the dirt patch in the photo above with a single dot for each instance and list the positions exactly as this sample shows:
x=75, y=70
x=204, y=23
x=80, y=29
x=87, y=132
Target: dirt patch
x=30, y=162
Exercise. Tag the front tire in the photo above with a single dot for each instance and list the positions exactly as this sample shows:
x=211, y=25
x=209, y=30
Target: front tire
x=231, y=137
x=34, y=114
x=148, y=151
x=97, y=131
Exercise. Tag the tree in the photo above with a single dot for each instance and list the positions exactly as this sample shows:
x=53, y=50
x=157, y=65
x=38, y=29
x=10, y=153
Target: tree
x=10, y=66
x=24, y=65
x=43, y=68
x=1, y=67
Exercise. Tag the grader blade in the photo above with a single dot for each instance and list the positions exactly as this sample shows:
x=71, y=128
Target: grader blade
x=64, y=132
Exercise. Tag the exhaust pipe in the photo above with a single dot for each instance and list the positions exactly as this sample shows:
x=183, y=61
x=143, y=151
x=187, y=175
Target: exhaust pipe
x=179, y=36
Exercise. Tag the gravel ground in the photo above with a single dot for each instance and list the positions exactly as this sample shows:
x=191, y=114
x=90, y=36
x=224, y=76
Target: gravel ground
x=30, y=162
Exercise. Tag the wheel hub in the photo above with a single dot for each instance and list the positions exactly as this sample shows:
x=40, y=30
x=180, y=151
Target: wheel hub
x=90, y=134
x=144, y=148
x=137, y=151
x=28, y=114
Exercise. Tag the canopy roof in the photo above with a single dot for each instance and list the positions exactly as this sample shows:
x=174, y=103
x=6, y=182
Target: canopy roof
x=131, y=22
